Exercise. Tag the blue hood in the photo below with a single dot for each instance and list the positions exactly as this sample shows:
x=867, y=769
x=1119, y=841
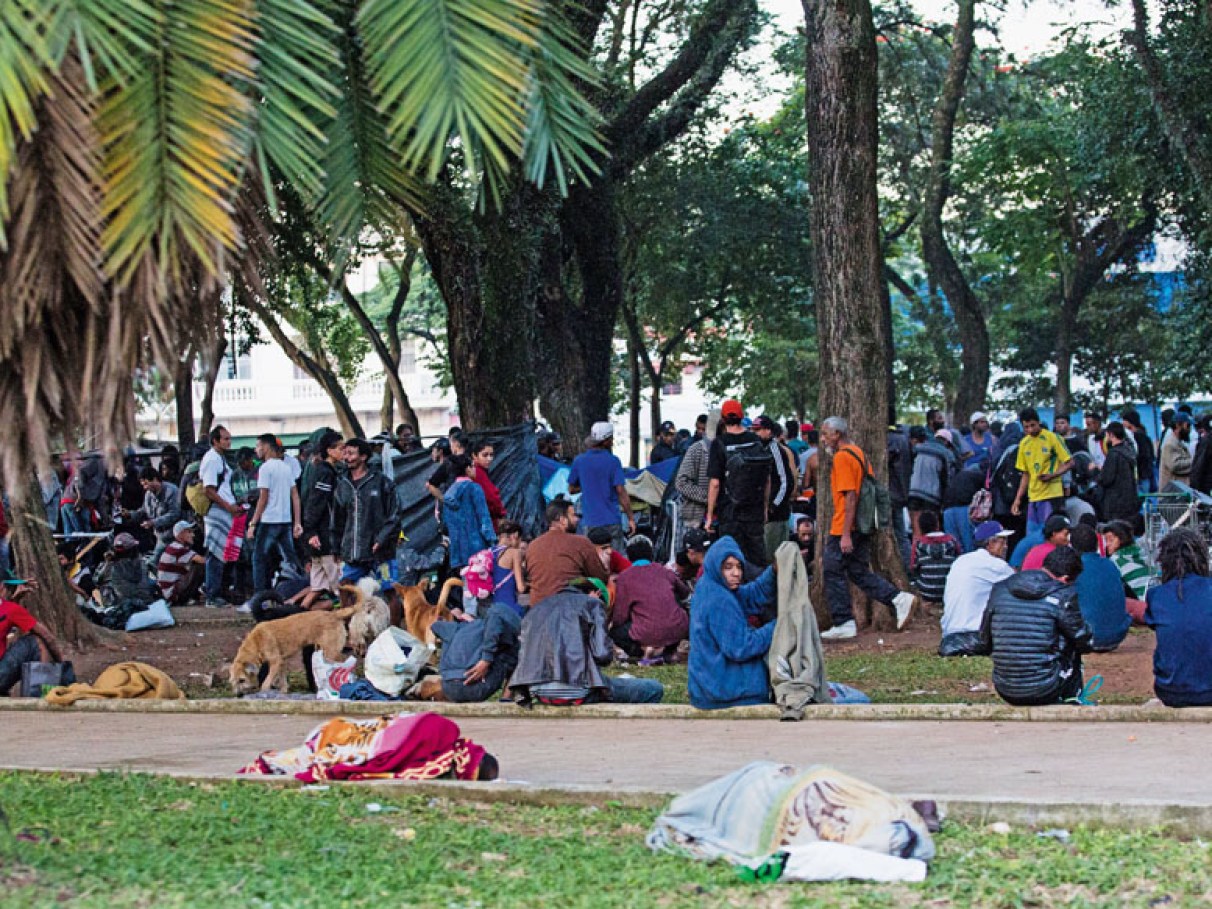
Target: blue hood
x=713, y=563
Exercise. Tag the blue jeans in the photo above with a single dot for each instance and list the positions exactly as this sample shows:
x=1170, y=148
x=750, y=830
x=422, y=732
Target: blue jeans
x=213, y=585
x=355, y=571
x=272, y=542
x=72, y=519
x=635, y=691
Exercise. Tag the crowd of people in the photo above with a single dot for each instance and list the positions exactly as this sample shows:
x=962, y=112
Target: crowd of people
x=1026, y=536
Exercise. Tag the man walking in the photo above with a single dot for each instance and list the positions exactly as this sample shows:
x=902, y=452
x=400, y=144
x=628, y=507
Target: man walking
x=598, y=475
x=739, y=470
x=277, y=519
x=847, y=552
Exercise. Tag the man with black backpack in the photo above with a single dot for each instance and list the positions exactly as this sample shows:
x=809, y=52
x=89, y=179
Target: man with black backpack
x=739, y=471
x=847, y=556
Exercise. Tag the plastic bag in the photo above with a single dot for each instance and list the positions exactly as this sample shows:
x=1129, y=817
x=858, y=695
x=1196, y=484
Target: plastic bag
x=157, y=615
x=330, y=677
x=394, y=660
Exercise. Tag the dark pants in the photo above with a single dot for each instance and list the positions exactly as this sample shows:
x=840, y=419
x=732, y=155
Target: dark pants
x=1066, y=689
x=272, y=545
x=621, y=635
x=23, y=650
x=214, y=577
x=456, y=691
x=960, y=643
x=855, y=567
x=187, y=585
x=750, y=536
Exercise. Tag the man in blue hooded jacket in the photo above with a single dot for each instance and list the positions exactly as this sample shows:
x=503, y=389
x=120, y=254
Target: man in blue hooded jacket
x=727, y=654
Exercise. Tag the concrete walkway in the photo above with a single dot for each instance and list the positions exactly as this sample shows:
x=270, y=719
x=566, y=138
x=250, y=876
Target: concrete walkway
x=1122, y=772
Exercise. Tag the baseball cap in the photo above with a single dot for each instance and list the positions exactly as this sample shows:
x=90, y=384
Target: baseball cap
x=124, y=542
x=990, y=529
x=806, y=427
x=1055, y=523
x=1182, y=417
x=183, y=525
x=977, y=417
x=600, y=536
x=668, y=426
x=696, y=540
x=732, y=408
x=764, y=422
x=601, y=431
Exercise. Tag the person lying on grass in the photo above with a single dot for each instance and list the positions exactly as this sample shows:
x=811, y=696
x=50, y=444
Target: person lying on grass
x=727, y=654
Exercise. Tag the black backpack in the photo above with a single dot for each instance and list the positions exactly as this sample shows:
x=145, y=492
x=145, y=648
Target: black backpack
x=747, y=467
x=1006, y=479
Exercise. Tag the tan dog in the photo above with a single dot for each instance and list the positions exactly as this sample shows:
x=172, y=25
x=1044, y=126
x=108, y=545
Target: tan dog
x=273, y=643
x=371, y=617
x=420, y=614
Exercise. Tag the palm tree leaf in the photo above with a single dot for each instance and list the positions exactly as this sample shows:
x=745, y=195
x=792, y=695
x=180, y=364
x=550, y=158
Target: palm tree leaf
x=176, y=137
x=561, y=127
x=299, y=61
x=446, y=68
x=109, y=37
x=25, y=62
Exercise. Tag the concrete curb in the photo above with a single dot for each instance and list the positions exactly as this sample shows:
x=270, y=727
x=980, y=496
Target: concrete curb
x=1173, y=819
x=858, y=712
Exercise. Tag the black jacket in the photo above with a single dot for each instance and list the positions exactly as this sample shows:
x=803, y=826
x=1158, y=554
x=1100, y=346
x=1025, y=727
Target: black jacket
x=365, y=514
x=963, y=486
x=320, y=483
x=1201, y=466
x=1145, y=455
x=1118, y=482
x=900, y=467
x=1035, y=631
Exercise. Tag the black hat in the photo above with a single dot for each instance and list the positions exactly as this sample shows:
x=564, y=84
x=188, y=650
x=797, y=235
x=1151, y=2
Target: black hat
x=1055, y=524
x=600, y=536
x=696, y=540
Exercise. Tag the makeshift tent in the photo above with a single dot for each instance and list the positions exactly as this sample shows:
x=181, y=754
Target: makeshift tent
x=514, y=470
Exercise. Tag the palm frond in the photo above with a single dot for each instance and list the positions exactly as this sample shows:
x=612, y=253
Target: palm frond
x=25, y=62
x=176, y=137
x=110, y=38
x=297, y=76
x=447, y=68
x=561, y=127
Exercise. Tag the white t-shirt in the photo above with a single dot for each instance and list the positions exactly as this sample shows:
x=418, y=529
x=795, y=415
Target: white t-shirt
x=275, y=476
x=969, y=582
x=212, y=468
x=296, y=469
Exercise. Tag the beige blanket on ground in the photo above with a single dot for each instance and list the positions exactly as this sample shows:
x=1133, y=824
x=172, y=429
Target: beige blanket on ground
x=122, y=681
x=796, y=660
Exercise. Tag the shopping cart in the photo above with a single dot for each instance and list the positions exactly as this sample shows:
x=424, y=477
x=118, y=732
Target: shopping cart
x=1178, y=506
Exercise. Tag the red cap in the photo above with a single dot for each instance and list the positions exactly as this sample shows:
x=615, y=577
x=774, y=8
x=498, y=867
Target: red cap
x=731, y=408
x=806, y=427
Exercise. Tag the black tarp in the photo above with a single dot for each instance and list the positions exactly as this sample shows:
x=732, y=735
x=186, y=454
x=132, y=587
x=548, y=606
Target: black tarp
x=515, y=470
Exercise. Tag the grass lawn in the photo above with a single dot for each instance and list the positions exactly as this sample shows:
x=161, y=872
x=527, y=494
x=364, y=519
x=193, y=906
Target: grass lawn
x=119, y=841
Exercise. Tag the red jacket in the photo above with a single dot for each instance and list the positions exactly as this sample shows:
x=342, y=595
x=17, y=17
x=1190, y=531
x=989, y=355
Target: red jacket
x=496, y=508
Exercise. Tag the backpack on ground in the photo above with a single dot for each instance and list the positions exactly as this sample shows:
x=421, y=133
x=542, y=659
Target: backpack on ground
x=747, y=467
x=874, y=509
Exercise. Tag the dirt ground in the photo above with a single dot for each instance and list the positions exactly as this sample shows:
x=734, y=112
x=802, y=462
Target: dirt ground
x=195, y=653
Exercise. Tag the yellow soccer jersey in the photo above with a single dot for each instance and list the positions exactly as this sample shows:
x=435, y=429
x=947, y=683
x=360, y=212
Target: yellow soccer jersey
x=1039, y=455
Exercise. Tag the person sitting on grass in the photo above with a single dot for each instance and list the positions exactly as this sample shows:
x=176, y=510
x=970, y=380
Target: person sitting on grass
x=180, y=571
x=1035, y=633
x=478, y=656
x=1122, y=549
x=934, y=552
x=1100, y=592
x=648, y=620
x=1056, y=535
x=727, y=654
x=1180, y=612
x=23, y=639
x=564, y=644
x=969, y=584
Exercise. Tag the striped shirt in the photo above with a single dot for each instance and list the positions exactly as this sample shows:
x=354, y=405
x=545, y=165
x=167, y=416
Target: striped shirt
x=1133, y=570
x=173, y=564
x=933, y=556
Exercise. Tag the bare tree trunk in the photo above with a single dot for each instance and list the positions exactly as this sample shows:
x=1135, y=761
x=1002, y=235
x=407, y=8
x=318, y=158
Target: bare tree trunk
x=840, y=101
x=329, y=381
x=633, y=391
x=655, y=408
x=936, y=251
x=183, y=395
x=213, y=364
x=35, y=557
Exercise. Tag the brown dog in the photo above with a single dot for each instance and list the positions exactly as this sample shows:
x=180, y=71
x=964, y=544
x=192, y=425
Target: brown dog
x=272, y=643
x=420, y=614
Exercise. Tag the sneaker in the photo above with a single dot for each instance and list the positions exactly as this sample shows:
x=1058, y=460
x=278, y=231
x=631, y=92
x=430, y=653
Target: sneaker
x=244, y=609
x=904, y=602
x=840, y=632
x=216, y=603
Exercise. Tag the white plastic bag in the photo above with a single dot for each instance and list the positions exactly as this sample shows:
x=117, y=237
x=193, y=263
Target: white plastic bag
x=157, y=615
x=838, y=862
x=394, y=660
x=330, y=677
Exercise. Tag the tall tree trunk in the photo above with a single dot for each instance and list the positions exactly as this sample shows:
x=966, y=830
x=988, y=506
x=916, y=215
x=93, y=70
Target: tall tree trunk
x=183, y=395
x=212, y=366
x=1065, y=332
x=633, y=391
x=486, y=269
x=35, y=557
x=936, y=251
x=654, y=412
x=840, y=101
x=351, y=426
